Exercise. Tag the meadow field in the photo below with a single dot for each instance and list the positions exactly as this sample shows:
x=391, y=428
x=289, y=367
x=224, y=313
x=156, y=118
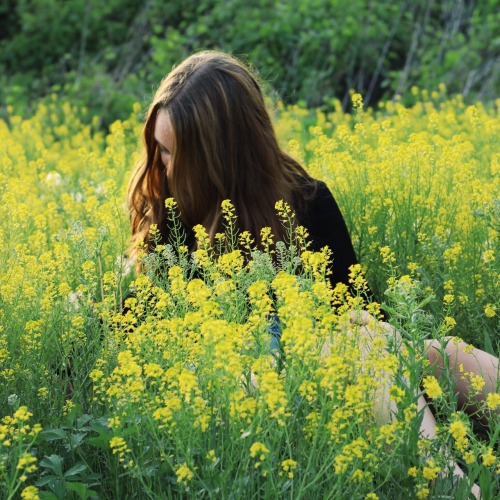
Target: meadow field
x=180, y=395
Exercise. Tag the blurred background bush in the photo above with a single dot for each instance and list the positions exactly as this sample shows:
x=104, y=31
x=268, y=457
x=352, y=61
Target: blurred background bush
x=107, y=54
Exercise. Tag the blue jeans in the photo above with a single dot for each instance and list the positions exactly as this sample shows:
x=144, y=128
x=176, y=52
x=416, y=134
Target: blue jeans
x=275, y=331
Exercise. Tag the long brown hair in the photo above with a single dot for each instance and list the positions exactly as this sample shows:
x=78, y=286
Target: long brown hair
x=224, y=148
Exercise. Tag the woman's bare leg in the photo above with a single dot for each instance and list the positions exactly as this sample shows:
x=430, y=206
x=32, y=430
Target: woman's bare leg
x=385, y=410
x=466, y=363
x=428, y=430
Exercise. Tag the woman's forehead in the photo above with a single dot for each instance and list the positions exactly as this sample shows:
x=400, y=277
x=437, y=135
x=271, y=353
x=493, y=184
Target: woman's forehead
x=164, y=132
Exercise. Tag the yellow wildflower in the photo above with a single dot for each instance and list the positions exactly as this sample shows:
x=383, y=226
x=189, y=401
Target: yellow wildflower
x=357, y=101
x=22, y=414
x=431, y=385
x=119, y=446
x=490, y=310
x=476, y=381
x=489, y=458
x=257, y=448
x=422, y=492
x=26, y=463
x=448, y=298
x=431, y=471
x=43, y=392
x=449, y=322
x=469, y=457
x=493, y=400
x=289, y=466
x=30, y=493
x=413, y=471
x=459, y=432
x=184, y=474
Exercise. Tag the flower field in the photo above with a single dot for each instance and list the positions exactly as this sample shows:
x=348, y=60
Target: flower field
x=182, y=392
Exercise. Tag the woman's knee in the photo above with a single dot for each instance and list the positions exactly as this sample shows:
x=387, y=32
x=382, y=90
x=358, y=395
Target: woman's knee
x=434, y=348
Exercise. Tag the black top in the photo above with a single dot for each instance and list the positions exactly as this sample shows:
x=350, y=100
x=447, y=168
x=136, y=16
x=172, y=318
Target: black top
x=323, y=220
x=326, y=226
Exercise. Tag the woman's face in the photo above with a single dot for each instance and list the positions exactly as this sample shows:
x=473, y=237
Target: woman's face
x=164, y=137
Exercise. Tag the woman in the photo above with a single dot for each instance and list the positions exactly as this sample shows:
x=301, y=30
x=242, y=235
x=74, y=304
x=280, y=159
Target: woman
x=208, y=138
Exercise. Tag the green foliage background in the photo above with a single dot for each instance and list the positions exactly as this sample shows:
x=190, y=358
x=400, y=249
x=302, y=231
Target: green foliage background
x=107, y=54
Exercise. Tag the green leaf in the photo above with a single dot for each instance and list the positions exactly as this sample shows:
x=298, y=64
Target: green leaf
x=488, y=345
x=83, y=420
x=75, y=471
x=45, y=480
x=54, y=463
x=54, y=434
x=93, y=479
x=101, y=425
x=75, y=440
x=57, y=486
x=101, y=442
x=81, y=489
x=46, y=495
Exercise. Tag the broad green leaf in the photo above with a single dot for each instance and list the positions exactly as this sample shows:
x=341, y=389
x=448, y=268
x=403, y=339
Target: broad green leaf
x=54, y=463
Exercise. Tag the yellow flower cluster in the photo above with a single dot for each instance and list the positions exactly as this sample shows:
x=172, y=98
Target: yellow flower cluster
x=260, y=452
x=424, y=476
x=17, y=437
x=184, y=474
x=16, y=427
x=493, y=400
x=416, y=185
x=432, y=387
x=289, y=466
x=119, y=447
x=30, y=493
x=459, y=431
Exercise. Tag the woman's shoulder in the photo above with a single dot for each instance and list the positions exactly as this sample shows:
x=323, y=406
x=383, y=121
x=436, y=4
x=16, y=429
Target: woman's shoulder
x=316, y=197
x=322, y=218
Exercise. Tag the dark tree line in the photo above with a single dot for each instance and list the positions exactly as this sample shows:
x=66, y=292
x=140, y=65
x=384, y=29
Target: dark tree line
x=108, y=53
